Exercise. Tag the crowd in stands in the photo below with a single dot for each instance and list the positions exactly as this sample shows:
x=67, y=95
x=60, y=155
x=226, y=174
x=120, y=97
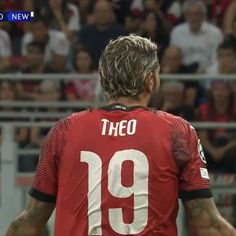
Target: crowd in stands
x=68, y=36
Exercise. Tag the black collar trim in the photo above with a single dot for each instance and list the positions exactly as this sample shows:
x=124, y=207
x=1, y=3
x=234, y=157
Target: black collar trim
x=118, y=106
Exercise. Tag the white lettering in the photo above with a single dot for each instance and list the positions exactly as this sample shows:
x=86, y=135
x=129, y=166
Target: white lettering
x=104, y=126
x=131, y=128
x=24, y=16
x=20, y=16
x=122, y=128
x=113, y=128
x=15, y=17
x=1, y=16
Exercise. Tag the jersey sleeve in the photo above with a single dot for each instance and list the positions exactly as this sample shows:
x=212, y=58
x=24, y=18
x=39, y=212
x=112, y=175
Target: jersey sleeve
x=45, y=182
x=190, y=160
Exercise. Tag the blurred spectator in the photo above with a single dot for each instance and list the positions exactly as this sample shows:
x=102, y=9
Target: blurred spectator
x=216, y=10
x=67, y=16
x=122, y=10
x=233, y=88
x=34, y=59
x=232, y=36
x=57, y=45
x=159, y=7
x=175, y=12
x=226, y=60
x=198, y=40
x=16, y=30
x=81, y=89
x=61, y=15
x=83, y=7
x=5, y=51
x=134, y=23
x=220, y=144
x=97, y=36
x=173, y=100
x=225, y=64
x=171, y=63
x=8, y=93
x=35, y=65
x=152, y=29
x=229, y=16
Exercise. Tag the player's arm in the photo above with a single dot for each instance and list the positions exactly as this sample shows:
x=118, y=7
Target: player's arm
x=32, y=221
x=44, y=189
x=205, y=220
x=203, y=216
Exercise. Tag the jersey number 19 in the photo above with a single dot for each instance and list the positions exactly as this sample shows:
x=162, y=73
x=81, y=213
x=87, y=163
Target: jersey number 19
x=139, y=190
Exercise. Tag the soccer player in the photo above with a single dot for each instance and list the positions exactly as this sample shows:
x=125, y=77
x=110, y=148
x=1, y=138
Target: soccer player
x=120, y=169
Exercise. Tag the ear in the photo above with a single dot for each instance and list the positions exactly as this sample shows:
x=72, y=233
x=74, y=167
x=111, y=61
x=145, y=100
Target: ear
x=149, y=82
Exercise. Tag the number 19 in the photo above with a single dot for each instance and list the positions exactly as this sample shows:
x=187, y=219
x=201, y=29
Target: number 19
x=139, y=189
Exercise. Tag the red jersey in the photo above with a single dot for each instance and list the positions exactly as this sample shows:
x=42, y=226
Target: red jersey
x=119, y=171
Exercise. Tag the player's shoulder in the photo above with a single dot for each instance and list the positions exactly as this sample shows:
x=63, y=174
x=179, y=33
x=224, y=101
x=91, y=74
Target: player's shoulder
x=67, y=122
x=78, y=116
x=176, y=124
x=169, y=118
x=179, y=128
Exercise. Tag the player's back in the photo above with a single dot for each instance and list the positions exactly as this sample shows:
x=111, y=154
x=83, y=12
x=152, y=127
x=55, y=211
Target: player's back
x=117, y=175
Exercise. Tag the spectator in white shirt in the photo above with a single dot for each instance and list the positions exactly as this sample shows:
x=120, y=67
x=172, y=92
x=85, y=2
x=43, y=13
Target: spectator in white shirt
x=57, y=45
x=197, y=39
x=5, y=51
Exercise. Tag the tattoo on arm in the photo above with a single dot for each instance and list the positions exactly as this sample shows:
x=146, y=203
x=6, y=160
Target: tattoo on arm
x=205, y=220
x=32, y=220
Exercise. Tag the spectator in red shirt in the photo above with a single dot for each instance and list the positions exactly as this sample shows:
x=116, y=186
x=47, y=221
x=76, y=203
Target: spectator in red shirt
x=220, y=144
x=82, y=89
x=216, y=10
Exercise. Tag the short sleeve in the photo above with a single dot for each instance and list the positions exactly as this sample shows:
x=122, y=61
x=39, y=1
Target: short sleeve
x=191, y=162
x=45, y=182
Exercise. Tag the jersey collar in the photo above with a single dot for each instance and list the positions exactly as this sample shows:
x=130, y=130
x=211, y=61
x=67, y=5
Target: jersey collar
x=118, y=106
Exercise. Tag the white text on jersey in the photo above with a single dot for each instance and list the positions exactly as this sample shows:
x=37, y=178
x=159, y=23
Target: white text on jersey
x=121, y=128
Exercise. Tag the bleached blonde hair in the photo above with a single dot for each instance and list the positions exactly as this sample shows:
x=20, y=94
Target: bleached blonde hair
x=124, y=65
